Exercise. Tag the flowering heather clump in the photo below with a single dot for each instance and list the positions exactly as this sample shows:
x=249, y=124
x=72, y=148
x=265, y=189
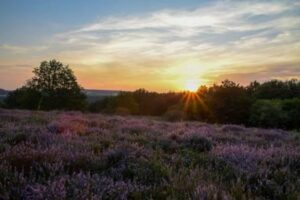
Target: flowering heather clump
x=197, y=143
x=232, y=128
x=68, y=124
x=70, y=155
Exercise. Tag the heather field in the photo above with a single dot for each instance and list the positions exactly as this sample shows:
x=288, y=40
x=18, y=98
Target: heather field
x=70, y=155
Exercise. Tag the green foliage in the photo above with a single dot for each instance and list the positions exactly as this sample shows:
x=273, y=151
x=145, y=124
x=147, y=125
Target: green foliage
x=3, y=147
x=275, y=89
x=126, y=104
x=266, y=113
x=273, y=184
x=291, y=110
x=174, y=114
x=197, y=143
x=228, y=102
x=23, y=98
x=53, y=86
x=145, y=172
x=276, y=114
x=17, y=138
x=139, y=102
x=106, y=105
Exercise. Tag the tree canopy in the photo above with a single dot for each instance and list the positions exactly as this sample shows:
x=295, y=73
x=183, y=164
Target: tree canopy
x=53, y=86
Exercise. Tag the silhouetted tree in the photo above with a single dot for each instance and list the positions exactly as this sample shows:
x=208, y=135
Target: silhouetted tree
x=53, y=86
x=276, y=89
x=225, y=103
x=125, y=101
x=228, y=102
x=23, y=98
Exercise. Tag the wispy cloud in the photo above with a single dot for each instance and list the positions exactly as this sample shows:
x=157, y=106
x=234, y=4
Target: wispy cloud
x=156, y=48
x=22, y=49
x=180, y=32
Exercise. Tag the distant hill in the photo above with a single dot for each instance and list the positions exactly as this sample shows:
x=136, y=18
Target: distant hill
x=101, y=92
x=95, y=95
x=3, y=92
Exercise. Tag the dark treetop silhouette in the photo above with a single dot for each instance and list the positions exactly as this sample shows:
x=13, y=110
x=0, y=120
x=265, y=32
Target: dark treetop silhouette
x=53, y=86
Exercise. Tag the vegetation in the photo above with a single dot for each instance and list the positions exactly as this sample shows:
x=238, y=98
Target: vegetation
x=283, y=114
x=273, y=104
x=70, y=155
x=53, y=86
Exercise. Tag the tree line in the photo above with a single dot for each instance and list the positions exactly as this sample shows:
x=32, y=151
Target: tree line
x=272, y=104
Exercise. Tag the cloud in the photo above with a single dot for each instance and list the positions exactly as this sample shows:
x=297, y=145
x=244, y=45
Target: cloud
x=281, y=71
x=181, y=32
x=217, y=16
x=22, y=49
x=214, y=41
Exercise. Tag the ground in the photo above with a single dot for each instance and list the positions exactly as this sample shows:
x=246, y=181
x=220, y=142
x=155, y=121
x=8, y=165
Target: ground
x=70, y=155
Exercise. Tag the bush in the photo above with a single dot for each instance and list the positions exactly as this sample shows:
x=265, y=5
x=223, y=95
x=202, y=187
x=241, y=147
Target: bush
x=198, y=143
x=68, y=124
x=17, y=138
x=276, y=114
x=173, y=115
x=228, y=103
x=1, y=104
x=167, y=145
x=145, y=172
x=23, y=98
x=291, y=110
x=122, y=111
x=266, y=113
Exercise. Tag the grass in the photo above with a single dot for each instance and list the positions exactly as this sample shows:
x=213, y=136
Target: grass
x=70, y=155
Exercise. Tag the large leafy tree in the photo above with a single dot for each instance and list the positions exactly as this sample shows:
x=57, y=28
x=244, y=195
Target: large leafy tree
x=55, y=87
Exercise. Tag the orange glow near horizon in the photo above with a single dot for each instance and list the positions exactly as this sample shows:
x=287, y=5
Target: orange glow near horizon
x=165, y=48
x=191, y=86
x=191, y=101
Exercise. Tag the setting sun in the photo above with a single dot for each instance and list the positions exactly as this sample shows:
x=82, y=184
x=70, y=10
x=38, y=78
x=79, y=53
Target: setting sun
x=191, y=86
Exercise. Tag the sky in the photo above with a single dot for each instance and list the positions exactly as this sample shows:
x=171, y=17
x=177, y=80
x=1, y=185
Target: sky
x=165, y=45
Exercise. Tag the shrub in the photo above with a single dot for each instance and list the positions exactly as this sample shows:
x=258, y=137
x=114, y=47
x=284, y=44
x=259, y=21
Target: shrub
x=197, y=143
x=276, y=114
x=167, y=145
x=272, y=184
x=68, y=124
x=122, y=111
x=266, y=113
x=145, y=172
x=232, y=128
x=173, y=115
x=3, y=147
x=23, y=98
x=16, y=138
x=291, y=110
